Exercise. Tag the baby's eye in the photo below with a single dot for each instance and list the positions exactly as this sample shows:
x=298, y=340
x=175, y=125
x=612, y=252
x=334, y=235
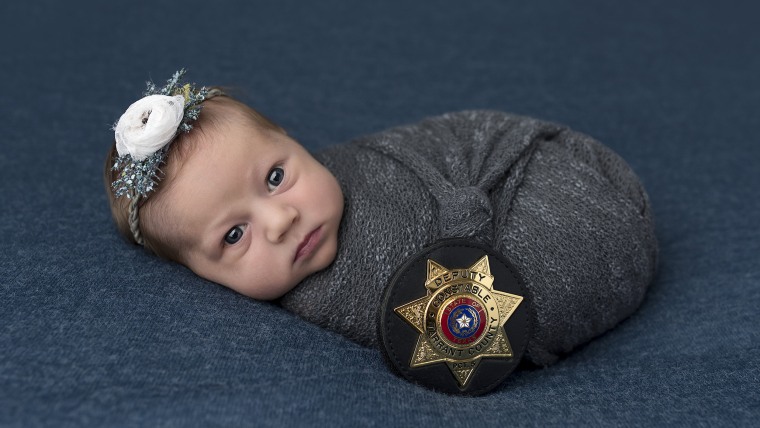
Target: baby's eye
x=234, y=235
x=275, y=177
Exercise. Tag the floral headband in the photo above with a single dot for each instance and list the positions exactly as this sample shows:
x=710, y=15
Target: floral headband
x=143, y=136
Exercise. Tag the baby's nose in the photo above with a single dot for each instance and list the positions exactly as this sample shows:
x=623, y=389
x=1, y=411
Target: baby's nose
x=280, y=218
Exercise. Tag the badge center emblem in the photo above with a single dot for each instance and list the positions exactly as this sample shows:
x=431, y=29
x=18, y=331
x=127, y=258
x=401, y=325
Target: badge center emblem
x=461, y=321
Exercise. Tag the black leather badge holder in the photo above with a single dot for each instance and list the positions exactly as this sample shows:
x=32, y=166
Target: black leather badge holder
x=455, y=318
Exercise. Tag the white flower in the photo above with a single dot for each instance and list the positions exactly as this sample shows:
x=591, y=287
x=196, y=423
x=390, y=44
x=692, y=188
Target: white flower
x=148, y=125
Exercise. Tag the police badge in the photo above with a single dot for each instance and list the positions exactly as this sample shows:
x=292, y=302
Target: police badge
x=455, y=318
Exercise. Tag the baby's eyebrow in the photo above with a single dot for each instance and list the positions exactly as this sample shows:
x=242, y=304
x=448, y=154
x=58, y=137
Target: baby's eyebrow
x=195, y=232
x=212, y=236
x=209, y=246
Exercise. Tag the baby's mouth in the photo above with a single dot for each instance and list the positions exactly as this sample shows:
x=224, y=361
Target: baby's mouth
x=309, y=243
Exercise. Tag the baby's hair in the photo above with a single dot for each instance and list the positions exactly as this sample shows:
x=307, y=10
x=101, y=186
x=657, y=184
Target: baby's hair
x=155, y=230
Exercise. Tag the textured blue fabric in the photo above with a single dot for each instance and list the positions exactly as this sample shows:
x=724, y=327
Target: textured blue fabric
x=95, y=333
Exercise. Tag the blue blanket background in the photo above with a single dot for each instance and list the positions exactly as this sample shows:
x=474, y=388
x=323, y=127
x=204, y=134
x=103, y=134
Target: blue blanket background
x=94, y=332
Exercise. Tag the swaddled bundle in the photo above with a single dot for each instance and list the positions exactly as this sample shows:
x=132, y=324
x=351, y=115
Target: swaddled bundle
x=564, y=209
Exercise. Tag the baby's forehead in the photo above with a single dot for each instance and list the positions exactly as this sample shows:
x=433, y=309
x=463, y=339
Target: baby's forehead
x=208, y=137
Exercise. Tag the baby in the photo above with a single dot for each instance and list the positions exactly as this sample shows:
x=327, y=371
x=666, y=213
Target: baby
x=242, y=204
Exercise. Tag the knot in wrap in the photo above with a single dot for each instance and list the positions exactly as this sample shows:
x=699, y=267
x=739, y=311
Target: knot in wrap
x=466, y=212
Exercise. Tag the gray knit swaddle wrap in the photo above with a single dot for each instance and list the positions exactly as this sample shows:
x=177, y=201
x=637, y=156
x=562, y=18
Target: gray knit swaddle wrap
x=564, y=209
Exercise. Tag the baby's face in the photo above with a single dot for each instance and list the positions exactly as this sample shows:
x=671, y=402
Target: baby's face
x=260, y=211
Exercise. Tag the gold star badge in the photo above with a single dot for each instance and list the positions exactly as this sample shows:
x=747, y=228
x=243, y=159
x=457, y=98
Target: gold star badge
x=460, y=320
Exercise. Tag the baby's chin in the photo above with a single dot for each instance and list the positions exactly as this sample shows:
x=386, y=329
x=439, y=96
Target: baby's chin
x=264, y=295
x=268, y=291
x=327, y=257
x=272, y=291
